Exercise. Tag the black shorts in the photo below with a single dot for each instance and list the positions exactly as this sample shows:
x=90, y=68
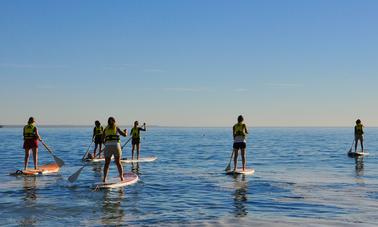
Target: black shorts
x=135, y=141
x=98, y=140
x=240, y=145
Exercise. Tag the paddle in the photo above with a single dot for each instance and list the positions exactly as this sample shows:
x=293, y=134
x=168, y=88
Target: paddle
x=86, y=153
x=58, y=161
x=76, y=175
x=126, y=142
x=350, y=150
x=228, y=168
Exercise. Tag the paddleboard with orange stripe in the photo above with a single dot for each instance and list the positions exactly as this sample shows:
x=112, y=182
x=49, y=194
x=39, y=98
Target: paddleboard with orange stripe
x=41, y=170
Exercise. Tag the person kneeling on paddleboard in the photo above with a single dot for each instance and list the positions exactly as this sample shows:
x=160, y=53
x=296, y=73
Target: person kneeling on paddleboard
x=358, y=135
x=113, y=146
x=31, y=138
x=239, y=133
x=135, y=142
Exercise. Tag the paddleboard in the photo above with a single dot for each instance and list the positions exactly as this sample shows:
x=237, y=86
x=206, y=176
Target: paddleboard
x=145, y=159
x=250, y=171
x=129, y=178
x=96, y=160
x=41, y=170
x=358, y=153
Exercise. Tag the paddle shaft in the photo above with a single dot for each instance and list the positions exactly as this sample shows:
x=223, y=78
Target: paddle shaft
x=58, y=161
x=86, y=153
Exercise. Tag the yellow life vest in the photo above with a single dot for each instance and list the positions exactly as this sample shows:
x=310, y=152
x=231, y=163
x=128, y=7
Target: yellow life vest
x=99, y=131
x=239, y=129
x=29, y=131
x=359, y=129
x=135, y=133
x=111, y=134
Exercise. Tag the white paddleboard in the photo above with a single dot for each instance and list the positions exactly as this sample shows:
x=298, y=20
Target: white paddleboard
x=250, y=171
x=97, y=160
x=358, y=153
x=114, y=182
x=145, y=159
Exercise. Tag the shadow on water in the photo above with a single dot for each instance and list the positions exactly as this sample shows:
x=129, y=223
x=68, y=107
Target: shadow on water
x=112, y=211
x=240, y=195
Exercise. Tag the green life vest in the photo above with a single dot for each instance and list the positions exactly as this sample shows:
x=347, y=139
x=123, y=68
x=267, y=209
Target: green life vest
x=99, y=131
x=30, y=131
x=239, y=129
x=135, y=133
x=111, y=134
x=359, y=129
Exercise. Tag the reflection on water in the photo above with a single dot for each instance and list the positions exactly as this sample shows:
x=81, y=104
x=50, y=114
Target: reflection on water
x=112, y=211
x=359, y=161
x=135, y=168
x=240, y=195
x=30, y=188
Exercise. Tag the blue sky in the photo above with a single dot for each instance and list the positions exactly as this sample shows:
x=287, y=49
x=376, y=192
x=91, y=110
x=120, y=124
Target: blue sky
x=189, y=63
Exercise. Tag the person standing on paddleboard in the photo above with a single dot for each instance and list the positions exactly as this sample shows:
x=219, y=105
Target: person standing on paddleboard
x=31, y=138
x=97, y=138
x=358, y=135
x=239, y=132
x=113, y=146
x=135, y=141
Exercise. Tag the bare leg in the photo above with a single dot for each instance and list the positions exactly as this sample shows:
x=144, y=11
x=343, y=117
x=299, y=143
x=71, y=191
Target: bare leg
x=236, y=151
x=117, y=161
x=362, y=145
x=132, y=151
x=35, y=157
x=243, y=158
x=355, y=145
x=99, y=152
x=94, y=151
x=26, y=160
x=138, y=149
x=106, y=168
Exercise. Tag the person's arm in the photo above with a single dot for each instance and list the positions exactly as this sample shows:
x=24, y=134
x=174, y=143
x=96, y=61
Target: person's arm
x=355, y=130
x=233, y=132
x=94, y=133
x=143, y=128
x=246, y=130
x=122, y=133
x=37, y=134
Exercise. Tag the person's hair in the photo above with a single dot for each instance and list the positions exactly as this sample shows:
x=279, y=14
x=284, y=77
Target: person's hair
x=240, y=119
x=31, y=120
x=136, y=123
x=97, y=123
x=358, y=121
x=110, y=119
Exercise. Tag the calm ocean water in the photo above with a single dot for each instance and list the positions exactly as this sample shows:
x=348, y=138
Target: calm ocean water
x=303, y=177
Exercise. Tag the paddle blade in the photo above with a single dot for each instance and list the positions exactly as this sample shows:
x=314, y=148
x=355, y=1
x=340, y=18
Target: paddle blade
x=58, y=161
x=76, y=175
x=228, y=168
